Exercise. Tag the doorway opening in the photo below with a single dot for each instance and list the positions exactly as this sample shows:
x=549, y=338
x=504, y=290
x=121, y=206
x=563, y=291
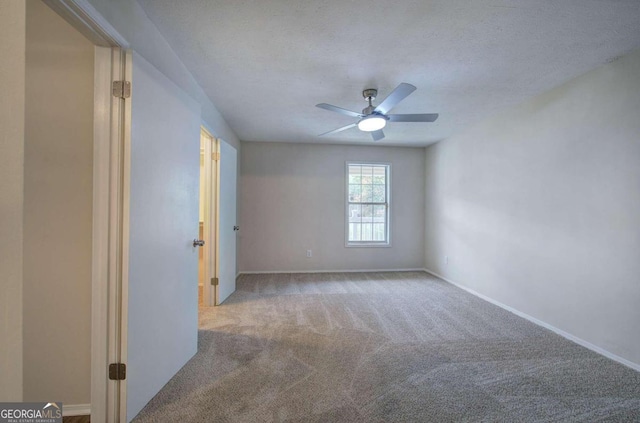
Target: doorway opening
x=208, y=219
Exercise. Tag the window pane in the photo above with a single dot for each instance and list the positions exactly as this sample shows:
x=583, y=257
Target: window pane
x=355, y=211
x=379, y=214
x=367, y=193
x=367, y=213
x=355, y=193
x=354, y=174
x=379, y=194
x=378, y=232
x=379, y=174
x=367, y=174
x=355, y=232
x=367, y=232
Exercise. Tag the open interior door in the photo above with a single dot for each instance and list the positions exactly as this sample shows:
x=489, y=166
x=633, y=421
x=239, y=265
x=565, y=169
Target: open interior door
x=160, y=260
x=227, y=226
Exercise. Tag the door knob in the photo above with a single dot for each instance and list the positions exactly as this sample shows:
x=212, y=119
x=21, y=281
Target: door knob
x=236, y=228
x=198, y=242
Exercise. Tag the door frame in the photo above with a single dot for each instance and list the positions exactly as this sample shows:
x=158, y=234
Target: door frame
x=215, y=298
x=211, y=201
x=111, y=140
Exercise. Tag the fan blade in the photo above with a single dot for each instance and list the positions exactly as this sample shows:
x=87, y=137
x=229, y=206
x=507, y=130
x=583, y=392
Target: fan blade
x=396, y=96
x=425, y=117
x=377, y=135
x=339, y=110
x=344, y=128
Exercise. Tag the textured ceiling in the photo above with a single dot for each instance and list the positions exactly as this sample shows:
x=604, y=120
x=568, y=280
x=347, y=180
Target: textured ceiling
x=266, y=63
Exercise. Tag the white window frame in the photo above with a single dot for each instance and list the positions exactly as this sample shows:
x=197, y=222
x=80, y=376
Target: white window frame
x=367, y=244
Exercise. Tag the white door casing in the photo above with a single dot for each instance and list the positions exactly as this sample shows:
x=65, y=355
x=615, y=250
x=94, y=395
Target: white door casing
x=210, y=201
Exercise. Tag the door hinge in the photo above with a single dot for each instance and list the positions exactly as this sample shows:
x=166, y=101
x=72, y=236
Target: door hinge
x=121, y=89
x=215, y=156
x=117, y=371
x=214, y=281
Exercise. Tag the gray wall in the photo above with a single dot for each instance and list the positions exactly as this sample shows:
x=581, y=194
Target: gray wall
x=292, y=198
x=12, y=86
x=57, y=209
x=539, y=208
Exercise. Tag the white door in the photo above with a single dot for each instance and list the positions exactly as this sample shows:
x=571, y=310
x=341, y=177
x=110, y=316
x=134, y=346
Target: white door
x=161, y=291
x=227, y=222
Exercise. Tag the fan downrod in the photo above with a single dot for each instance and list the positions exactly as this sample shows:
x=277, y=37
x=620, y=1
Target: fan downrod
x=369, y=94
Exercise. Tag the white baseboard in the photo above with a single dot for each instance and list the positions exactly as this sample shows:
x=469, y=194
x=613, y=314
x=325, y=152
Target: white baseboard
x=567, y=335
x=76, y=410
x=257, y=272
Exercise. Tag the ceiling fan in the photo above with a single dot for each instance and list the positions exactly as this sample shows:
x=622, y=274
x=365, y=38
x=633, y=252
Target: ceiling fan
x=373, y=119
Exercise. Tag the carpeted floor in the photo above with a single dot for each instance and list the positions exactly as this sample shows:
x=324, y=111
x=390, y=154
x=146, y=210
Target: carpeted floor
x=385, y=347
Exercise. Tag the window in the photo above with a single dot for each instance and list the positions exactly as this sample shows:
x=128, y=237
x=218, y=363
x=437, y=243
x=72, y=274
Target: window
x=367, y=204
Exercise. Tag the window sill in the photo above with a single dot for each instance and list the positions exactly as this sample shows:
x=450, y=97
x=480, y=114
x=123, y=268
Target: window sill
x=364, y=245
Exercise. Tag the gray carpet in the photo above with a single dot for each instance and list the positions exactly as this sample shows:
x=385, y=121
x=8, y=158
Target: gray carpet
x=385, y=347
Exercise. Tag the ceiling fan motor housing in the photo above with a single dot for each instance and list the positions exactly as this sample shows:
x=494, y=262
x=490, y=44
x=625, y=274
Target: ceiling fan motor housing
x=368, y=110
x=370, y=94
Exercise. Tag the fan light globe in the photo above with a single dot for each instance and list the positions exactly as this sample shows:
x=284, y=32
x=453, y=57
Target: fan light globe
x=372, y=123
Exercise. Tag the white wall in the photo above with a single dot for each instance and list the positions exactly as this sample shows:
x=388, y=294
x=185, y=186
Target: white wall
x=128, y=18
x=292, y=198
x=57, y=209
x=12, y=86
x=539, y=208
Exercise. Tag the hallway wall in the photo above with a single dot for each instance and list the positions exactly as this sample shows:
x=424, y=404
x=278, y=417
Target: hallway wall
x=58, y=195
x=12, y=86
